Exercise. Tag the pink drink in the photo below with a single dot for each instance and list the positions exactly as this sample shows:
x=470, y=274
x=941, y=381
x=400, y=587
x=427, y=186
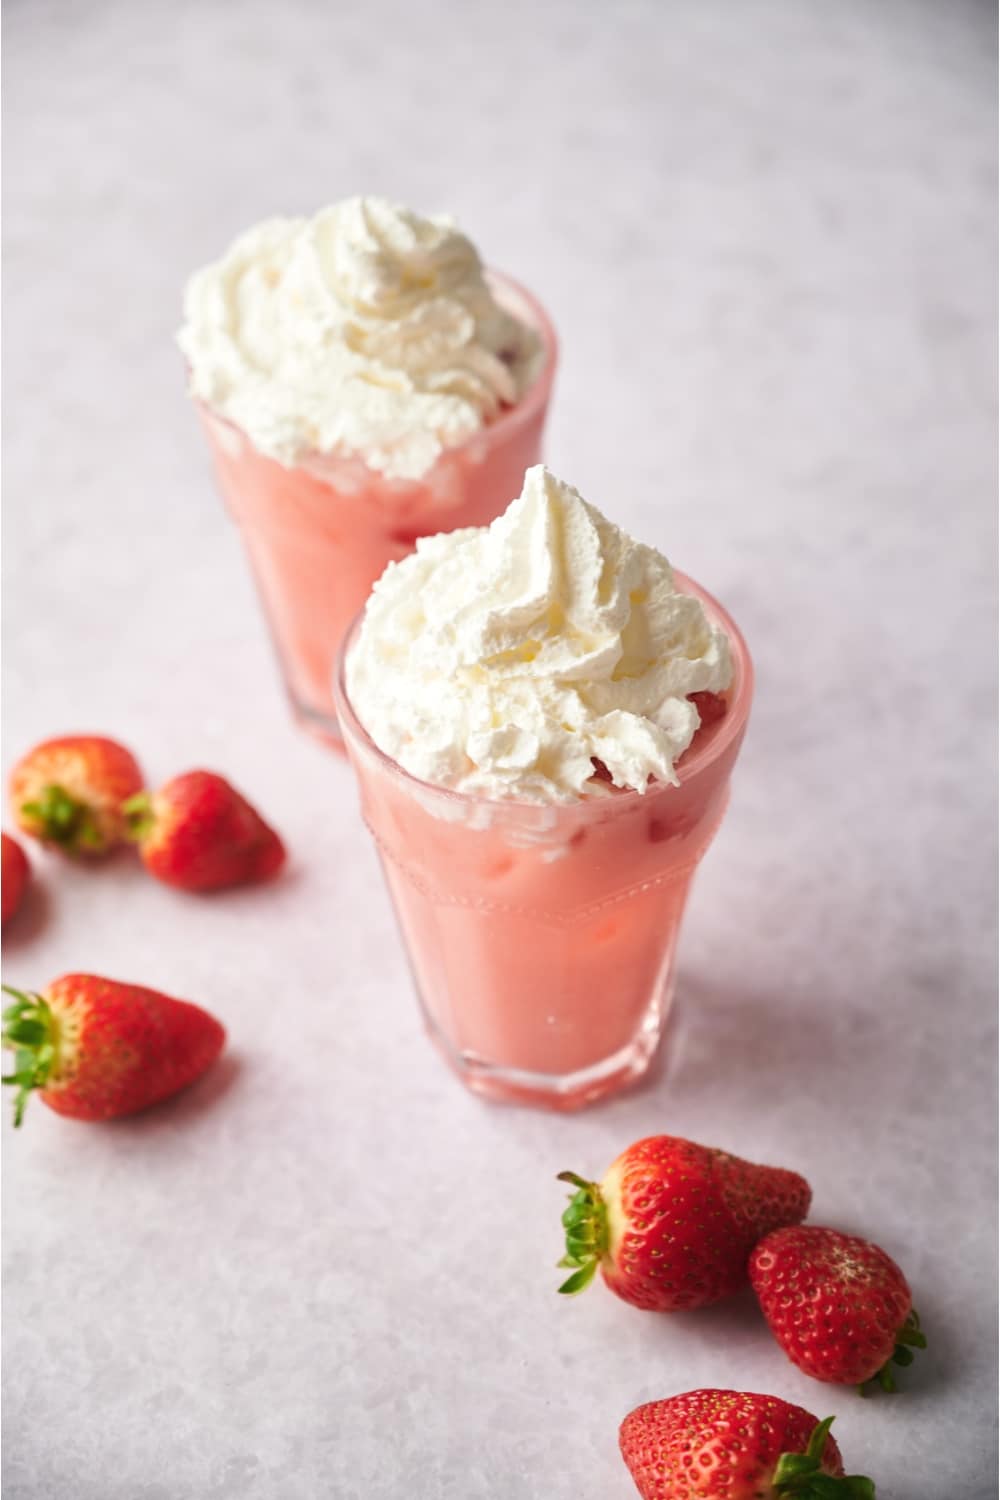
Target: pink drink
x=542, y=938
x=318, y=535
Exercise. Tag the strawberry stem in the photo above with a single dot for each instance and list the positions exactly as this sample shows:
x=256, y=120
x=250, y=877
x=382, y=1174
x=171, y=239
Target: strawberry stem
x=137, y=813
x=29, y=1031
x=63, y=819
x=800, y=1474
x=586, y=1224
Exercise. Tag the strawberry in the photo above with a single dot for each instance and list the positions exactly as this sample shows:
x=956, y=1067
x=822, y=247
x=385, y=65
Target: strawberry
x=96, y=1048
x=198, y=833
x=838, y=1306
x=14, y=874
x=711, y=707
x=672, y=1223
x=733, y=1445
x=68, y=792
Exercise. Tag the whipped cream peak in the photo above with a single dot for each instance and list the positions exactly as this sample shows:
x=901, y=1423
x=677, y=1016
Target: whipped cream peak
x=506, y=660
x=364, y=330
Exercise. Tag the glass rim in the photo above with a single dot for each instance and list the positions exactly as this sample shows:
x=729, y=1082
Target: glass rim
x=688, y=767
x=533, y=399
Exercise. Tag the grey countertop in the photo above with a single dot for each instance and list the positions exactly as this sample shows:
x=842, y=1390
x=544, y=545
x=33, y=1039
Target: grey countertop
x=765, y=231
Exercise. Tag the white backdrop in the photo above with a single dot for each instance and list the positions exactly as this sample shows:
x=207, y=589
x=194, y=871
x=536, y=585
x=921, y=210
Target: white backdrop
x=765, y=231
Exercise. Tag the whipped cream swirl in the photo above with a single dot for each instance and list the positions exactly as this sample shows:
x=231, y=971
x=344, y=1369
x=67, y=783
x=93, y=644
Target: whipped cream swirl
x=505, y=660
x=366, y=330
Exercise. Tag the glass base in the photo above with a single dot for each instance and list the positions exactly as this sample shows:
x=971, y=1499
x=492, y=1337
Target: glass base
x=320, y=726
x=566, y=1091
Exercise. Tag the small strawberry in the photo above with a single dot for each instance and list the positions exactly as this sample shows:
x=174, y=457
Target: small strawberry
x=672, y=1223
x=69, y=792
x=95, y=1048
x=14, y=875
x=711, y=707
x=733, y=1445
x=198, y=833
x=838, y=1306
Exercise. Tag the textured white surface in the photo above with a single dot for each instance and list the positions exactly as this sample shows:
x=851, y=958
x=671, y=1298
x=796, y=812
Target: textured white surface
x=765, y=232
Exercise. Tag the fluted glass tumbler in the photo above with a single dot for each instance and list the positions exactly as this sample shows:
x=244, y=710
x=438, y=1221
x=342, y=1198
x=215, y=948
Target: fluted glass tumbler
x=542, y=938
x=319, y=534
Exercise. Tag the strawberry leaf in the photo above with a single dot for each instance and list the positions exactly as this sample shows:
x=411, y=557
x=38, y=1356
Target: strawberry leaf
x=29, y=1032
x=579, y=1280
x=586, y=1226
x=910, y=1332
x=25, y=1033
x=62, y=819
x=800, y=1474
x=825, y=1487
x=137, y=812
x=792, y=1465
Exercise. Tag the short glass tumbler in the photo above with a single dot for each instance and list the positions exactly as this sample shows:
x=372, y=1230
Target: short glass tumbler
x=542, y=938
x=318, y=535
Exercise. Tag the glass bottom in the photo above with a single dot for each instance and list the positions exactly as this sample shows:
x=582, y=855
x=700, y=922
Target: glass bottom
x=319, y=725
x=318, y=718
x=566, y=1091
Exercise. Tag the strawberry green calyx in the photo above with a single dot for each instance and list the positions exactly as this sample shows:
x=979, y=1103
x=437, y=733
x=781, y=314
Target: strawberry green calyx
x=800, y=1475
x=137, y=814
x=586, y=1225
x=29, y=1030
x=908, y=1338
x=63, y=820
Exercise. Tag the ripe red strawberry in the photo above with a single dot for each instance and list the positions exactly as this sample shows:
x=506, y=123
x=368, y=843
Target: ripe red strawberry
x=14, y=875
x=711, y=707
x=69, y=792
x=95, y=1048
x=198, y=833
x=733, y=1445
x=672, y=1223
x=838, y=1306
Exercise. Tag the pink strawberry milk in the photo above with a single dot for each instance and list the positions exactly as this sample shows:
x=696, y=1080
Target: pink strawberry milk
x=362, y=381
x=543, y=718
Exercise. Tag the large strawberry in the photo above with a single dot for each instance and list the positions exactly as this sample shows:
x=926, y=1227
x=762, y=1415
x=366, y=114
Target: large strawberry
x=198, y=833
x=95, y=1048
x=69, y=792
x=15, y=873
x=734, y=1445
x=672, y=1223
x=838, y=1306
